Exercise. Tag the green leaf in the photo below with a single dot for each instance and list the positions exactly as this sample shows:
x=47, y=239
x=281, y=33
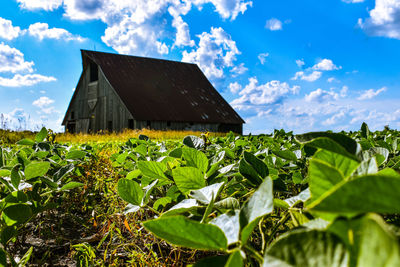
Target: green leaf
x=71, y=185
x=193, y=141
x=285, y=154
x=40, y=136
x=131, y=208
x=144, y=137
x=7, y=234
x=371, y=193
x=176, y=153
x=249, y=173
x=153, y=169
x=195, y=158
x=302, y=197
x=163, y=201
x=3, y=258
x=204, y=195
x=15, y=175
x=235, y=260
x=227, y=203
x=36, y=169
x=26, y=142
x=257, y=164
x=147, y=191
x=63, y=171
x=307, y=248
x=75, y=154
x=344, y=164
x=364, y=130
x=229, y=224
x=186, y=205
x=5, y=173
x=368, y=167
x=322, y=177
x=258, y=205
x=25, y=259
x=19, y=213
x=380, y=153
x=130, y=191
x=188, y=178
x=180, y=231
x=216, y=261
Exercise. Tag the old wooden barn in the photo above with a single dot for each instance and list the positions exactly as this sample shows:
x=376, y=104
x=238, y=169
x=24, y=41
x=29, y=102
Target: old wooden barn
x=117, y=92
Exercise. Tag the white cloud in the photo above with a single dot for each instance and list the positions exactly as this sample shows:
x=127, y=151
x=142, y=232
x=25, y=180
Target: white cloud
x=182, y=32
x=12, y=60
x=334, y=119
x=25, y=80
x=369, y=94
x=7, y=30
x=331, y=79
x=239, y=69
x=273, y=24
x=235, y=87
x=320, y=95
x=270, y=93
x=41, y=31
x=315, y=75
x=384, y=19
x=343, y=91
x=42, y=102
x=325, y=65
x=263, y=57
x=300, y=63
x=228, y=9
x=47, y=5
x=215, y=52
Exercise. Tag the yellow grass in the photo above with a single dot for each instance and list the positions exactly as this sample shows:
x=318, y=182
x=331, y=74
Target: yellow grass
x=125, y=135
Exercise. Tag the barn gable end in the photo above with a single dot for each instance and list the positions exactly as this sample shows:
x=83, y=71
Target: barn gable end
x=116, y=92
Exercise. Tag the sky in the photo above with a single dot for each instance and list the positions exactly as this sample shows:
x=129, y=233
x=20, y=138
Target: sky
x=303, y=66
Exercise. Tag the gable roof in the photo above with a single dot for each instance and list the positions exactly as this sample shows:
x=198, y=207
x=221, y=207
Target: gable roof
x=163, y=90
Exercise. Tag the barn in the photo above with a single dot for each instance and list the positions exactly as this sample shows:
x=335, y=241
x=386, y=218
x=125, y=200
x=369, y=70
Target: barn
x=117, y=92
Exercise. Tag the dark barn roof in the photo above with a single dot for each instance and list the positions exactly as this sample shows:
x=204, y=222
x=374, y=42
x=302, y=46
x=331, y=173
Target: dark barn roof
x=163, y=90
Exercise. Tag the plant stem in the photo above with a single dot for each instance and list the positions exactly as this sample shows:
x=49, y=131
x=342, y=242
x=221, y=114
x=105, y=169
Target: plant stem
x=276, y=227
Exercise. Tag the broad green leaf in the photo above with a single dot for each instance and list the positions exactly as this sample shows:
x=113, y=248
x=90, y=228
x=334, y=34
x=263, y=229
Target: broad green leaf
x=322, y=177
x=17, y=213
x=75, y=154
x=229, y=224
x=204, y=195
x=235, y=260
x=25, y=259
x=285, y=154
x=8, y=233
x=144, y=137
x=147, y=191
x=40, y=136
x=3, y=258
x=153, y=169
x=307, y=248
x=302, y=197
x=342, y=140
x=180, y=231
x=368, y=167
x=63, y=171
x=258, y=165
x=131, y=208
x=344, y=164
x=185, y=205
x=71, y=185
x=36, y=169
x=5, y=173
x=188, y=178
x=364, y=130
x=216, y=261
x=258, y=205
x=380, y=153
x=298, y=218
x=249, y=173
x=193, y=141
x=130, y=191
x=377, y=245
x=228, y=203
x=371, y=193
x=133, y=174
x=26, y=142
x=141, y=149
x=15, y=176
x=163, y=201
x=195, y=158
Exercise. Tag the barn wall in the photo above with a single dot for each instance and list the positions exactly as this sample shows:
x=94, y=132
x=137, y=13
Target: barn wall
x=211, y=127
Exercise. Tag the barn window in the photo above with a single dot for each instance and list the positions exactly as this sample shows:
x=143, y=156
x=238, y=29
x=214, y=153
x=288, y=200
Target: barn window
x=130, y=123
x=168, y=123
x=72, y=115
x=148, y=124
x=110, y=126
x=94, y=72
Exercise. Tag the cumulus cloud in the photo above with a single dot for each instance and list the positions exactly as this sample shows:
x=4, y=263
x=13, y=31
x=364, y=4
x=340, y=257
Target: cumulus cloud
x=353, y=1
x=263, y=57
x=43, y=101
x=25, y=80
x=384, y=19
x=270, y=93
x=42, y=31
x=7, y=30
x=48, y=5
x=182, y=32
x=300, y=63
x=12, y=60
x=273, y=24
x=235, y=87
x=239, y=69
x=325, y=65
x=371, y=93
x=320, y=95
x=216, y=51
x=315, y=75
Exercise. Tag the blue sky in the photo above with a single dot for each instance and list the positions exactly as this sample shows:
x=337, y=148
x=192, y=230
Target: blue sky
x=299, y=65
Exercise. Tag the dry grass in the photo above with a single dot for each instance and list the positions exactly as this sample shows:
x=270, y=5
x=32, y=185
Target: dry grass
x=125, y=135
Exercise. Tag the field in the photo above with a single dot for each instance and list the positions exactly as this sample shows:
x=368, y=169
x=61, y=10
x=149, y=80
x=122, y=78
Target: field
x=172, y=199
